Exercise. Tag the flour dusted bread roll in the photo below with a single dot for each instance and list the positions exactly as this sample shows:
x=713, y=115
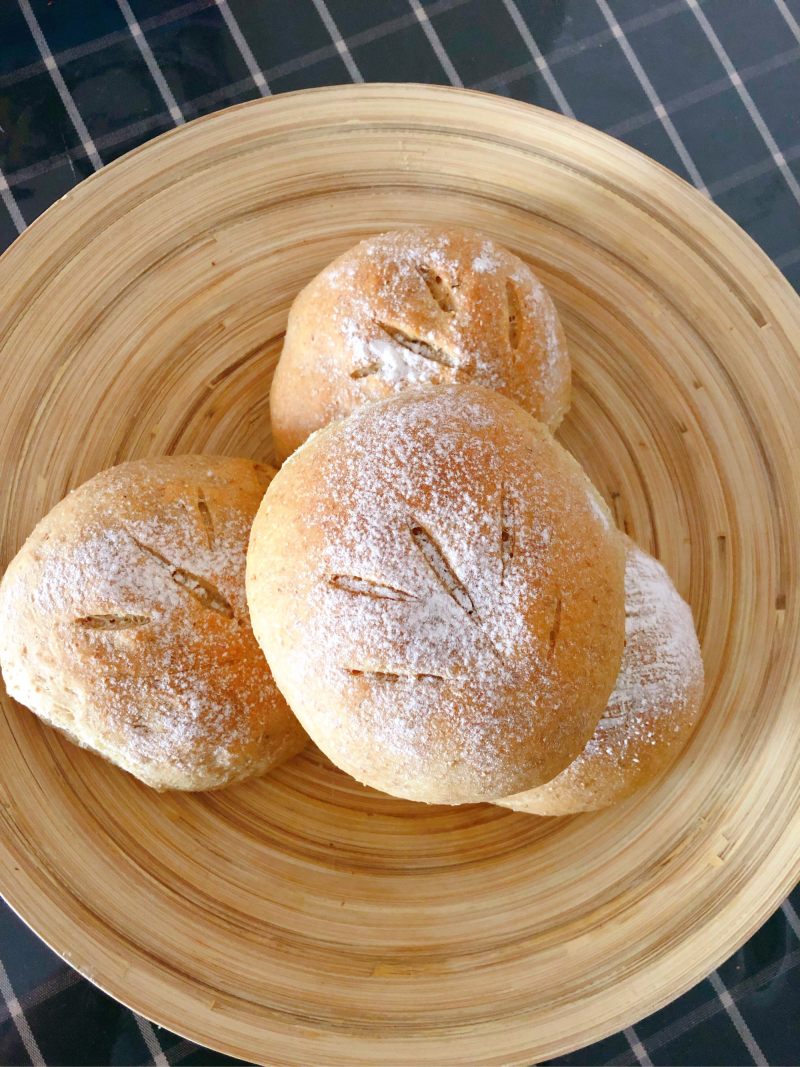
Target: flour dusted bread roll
x=426, y=305
x=654, y=706
x=416, y=572
x=123, y=622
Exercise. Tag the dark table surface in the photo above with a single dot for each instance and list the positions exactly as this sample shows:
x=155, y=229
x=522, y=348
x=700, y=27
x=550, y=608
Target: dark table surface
x=710, y=88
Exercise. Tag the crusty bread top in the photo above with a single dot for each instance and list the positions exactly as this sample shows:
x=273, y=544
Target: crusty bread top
x=123, y=622
x=426, y=305
x=439, y=592
x=654, y=705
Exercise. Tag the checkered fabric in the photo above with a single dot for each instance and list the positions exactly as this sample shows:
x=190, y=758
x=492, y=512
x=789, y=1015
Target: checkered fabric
x=710, y=88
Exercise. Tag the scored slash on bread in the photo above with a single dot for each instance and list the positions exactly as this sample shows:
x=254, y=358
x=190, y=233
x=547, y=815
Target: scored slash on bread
x=202, y=590
x=206, y=516
x=441, y=290
x=444, y=574
x=112, y=621
x=351, y=583
x=400, y=337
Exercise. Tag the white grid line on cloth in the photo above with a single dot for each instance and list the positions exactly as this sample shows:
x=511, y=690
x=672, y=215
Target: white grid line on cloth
x=216, y=95
x=791, y=916
x=245, y=51
x=151, y=1040
x=107, y=140
x=714, y=1006
x=788, y=259
x=97, y=44
x=338, y=40
x=745, y=97
x=11, y=204
x=736, y=1017
x=302, y=62
x=752, y=170
x=180, y=1051
x=150, y=60
x=60, y=84
x=401, y=22
x=541, y=63
x=789, y=19
x=637, y=1048
x=60, y=981
x=705, y=92
x=21, y=1023
x=652, y=96
x=435, y=42
x=567, y=51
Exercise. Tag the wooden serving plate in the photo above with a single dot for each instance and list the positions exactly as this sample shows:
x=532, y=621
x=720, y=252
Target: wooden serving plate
x=304, y=919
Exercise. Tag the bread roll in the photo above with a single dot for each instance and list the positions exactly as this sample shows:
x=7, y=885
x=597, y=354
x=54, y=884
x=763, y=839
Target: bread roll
x=654, y=706
x=415, y=572
x=426, y=305
x=123, y=622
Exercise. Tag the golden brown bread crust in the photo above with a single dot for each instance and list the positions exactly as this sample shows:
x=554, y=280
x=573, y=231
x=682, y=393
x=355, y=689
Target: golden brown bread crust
x=654, y=706
x=415, y=572
x=123, y=622
x=426, y=305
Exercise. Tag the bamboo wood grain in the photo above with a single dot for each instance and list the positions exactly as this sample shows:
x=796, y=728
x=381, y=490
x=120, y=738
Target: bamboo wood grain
x=302, y=918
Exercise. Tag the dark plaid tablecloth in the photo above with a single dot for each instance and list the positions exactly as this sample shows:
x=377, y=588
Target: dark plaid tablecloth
x=710, y=88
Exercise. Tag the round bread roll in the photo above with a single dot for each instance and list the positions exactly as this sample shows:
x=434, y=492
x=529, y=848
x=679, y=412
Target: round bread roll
x=415, y=572
x=423, y=306
x=654, y=706
x=123, y=622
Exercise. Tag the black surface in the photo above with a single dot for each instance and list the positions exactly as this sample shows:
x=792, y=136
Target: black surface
x=742, y=144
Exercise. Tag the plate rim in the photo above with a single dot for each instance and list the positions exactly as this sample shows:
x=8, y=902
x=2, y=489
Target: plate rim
x=12, y=886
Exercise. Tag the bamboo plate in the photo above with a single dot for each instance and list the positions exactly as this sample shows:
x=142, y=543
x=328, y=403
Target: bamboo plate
x=304, y=919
